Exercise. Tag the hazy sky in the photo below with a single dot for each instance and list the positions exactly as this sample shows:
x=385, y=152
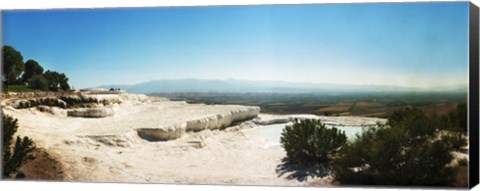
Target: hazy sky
x=407, y=44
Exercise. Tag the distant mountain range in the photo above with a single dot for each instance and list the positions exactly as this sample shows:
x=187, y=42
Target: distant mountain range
x=244, y=86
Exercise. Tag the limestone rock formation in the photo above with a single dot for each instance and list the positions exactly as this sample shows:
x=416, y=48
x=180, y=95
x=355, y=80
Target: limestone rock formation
x=90, y=112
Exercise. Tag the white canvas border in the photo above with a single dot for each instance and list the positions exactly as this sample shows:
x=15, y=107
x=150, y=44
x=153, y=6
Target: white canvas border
x=62, y=4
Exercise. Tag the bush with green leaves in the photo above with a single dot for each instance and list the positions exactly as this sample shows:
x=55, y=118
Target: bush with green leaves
x=406, y=151
x=38, y=82
x=16, y=155
x=455, y=140
x=309, y=142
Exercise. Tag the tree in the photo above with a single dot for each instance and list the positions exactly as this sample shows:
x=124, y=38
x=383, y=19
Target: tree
x=56, y=80
x=12, y=64
x=38, y=82
x=64, y=83
x=14, y=156
x=406, y=151
x=32, y=68
x=309, y=142
x=458, y=118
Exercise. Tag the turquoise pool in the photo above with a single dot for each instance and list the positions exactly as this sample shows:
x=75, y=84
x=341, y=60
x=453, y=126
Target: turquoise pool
x=271, y=133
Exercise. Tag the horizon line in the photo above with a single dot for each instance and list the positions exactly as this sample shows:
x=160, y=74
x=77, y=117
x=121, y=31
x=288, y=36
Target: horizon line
x=282, y=81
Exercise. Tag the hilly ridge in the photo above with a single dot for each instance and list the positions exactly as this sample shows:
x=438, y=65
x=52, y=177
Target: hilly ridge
x=243, y=86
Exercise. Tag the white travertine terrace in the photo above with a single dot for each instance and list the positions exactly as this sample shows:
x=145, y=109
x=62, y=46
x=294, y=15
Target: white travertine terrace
x=90, y=112
x=154, y=119
x=266, y=119
x=128, y=144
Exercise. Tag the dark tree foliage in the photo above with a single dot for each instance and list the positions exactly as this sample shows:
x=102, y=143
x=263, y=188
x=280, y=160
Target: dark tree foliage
x=309, y=142
x=12, y=65
x=33, y=75
x=457, y=119
x=14, y=156
x=455, y=140
x=406, y=151
x=32, y=68
x=38, y=82
x=56, y=81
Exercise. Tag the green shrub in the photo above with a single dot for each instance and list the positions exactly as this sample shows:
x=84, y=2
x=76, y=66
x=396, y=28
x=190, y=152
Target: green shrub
x=463, y=162
x=309, y=142
x=406, y=151
x=455, y=140
x=14, y=156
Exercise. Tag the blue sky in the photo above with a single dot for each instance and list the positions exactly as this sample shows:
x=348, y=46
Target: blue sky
x=406, y=44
